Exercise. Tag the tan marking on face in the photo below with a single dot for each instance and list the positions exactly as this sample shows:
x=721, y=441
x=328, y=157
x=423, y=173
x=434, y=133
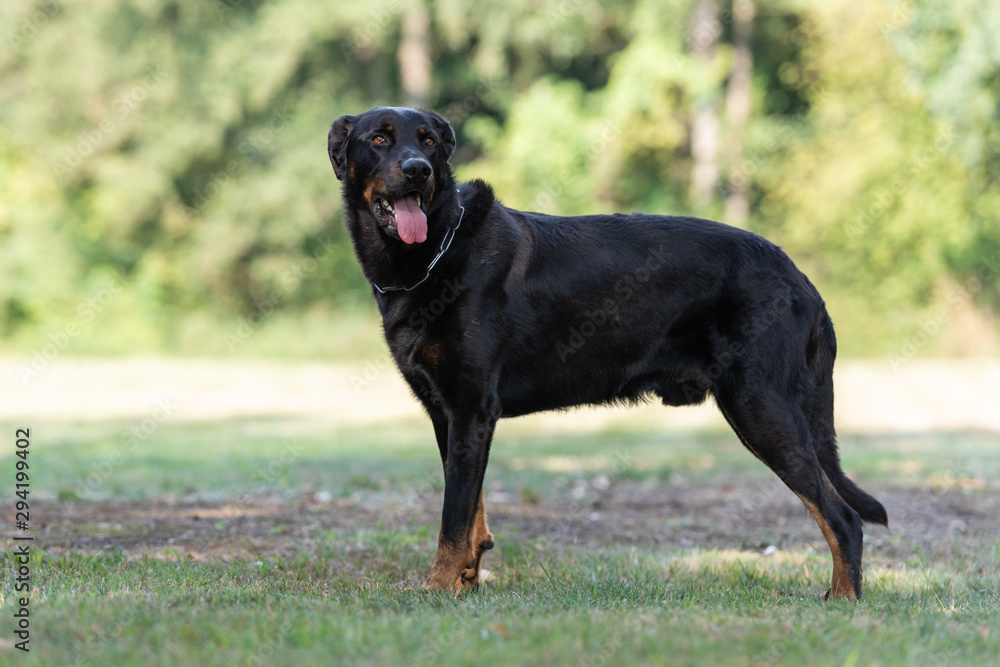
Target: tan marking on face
x=840, y=585
x=370, y=187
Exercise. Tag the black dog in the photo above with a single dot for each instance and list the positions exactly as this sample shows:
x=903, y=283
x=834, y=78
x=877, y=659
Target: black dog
x=491, y=312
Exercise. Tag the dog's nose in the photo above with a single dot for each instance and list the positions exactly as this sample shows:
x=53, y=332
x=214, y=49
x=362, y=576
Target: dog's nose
x=416, y=169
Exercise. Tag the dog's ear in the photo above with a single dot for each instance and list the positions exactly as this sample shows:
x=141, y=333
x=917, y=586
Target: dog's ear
x=445, y=132
x=336, y=143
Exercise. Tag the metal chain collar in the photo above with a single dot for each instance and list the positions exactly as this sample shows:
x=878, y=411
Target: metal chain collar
x=449, y=236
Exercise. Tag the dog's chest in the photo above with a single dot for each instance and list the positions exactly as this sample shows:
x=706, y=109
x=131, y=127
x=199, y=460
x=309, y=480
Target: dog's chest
x=431, y=356
x=415, y=350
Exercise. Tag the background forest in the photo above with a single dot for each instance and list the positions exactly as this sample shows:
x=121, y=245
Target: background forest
x=164, y=183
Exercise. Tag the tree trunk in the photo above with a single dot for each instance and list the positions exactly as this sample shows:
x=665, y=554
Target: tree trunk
x=702, y=40
x=738, y=111
x=414, y=55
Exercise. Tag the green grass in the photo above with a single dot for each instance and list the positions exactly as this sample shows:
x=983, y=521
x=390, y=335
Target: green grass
x=627, y=608
x=343, y=598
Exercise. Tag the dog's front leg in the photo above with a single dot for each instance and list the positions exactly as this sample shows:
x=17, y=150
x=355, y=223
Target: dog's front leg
x=468, y=452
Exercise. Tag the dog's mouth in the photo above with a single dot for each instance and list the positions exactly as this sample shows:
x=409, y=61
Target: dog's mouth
x=405, y=217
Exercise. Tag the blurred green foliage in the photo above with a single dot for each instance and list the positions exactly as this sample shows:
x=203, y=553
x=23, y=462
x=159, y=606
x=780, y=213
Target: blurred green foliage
x=164, y=184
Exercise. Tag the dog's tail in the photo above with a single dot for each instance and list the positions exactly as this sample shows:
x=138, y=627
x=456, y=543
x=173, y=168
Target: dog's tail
x=822, y=350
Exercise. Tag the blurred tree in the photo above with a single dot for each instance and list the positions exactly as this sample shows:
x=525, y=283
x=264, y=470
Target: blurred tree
x=738, y=100
x=703, y=38
x=413, y=55
x=952, y=61
x=169, y=155
x=868, y=192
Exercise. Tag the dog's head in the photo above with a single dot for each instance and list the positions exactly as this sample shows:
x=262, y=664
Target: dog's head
x=394, y=164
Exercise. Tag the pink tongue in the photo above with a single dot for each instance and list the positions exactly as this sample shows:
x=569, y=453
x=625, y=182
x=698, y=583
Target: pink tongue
x=411, y=223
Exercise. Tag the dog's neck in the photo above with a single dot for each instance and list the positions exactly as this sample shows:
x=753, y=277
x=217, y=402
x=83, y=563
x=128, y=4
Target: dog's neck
x=449, y=236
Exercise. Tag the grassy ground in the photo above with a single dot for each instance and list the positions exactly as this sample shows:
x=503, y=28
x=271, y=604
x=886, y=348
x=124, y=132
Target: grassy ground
x=288, y=541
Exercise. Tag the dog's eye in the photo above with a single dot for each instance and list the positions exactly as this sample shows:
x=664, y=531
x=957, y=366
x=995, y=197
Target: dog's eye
x=428, y=142
x=378, y=139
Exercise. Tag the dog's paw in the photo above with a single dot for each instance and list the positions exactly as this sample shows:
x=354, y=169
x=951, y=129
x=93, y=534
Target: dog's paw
x=470, y=577
x=830, y=596
x=437, y=583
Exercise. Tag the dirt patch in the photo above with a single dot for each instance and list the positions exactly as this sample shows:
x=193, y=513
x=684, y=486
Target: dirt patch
x=739, y=515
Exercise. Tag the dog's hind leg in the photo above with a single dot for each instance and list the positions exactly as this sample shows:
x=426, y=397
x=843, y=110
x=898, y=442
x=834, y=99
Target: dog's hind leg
x=777, y=432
